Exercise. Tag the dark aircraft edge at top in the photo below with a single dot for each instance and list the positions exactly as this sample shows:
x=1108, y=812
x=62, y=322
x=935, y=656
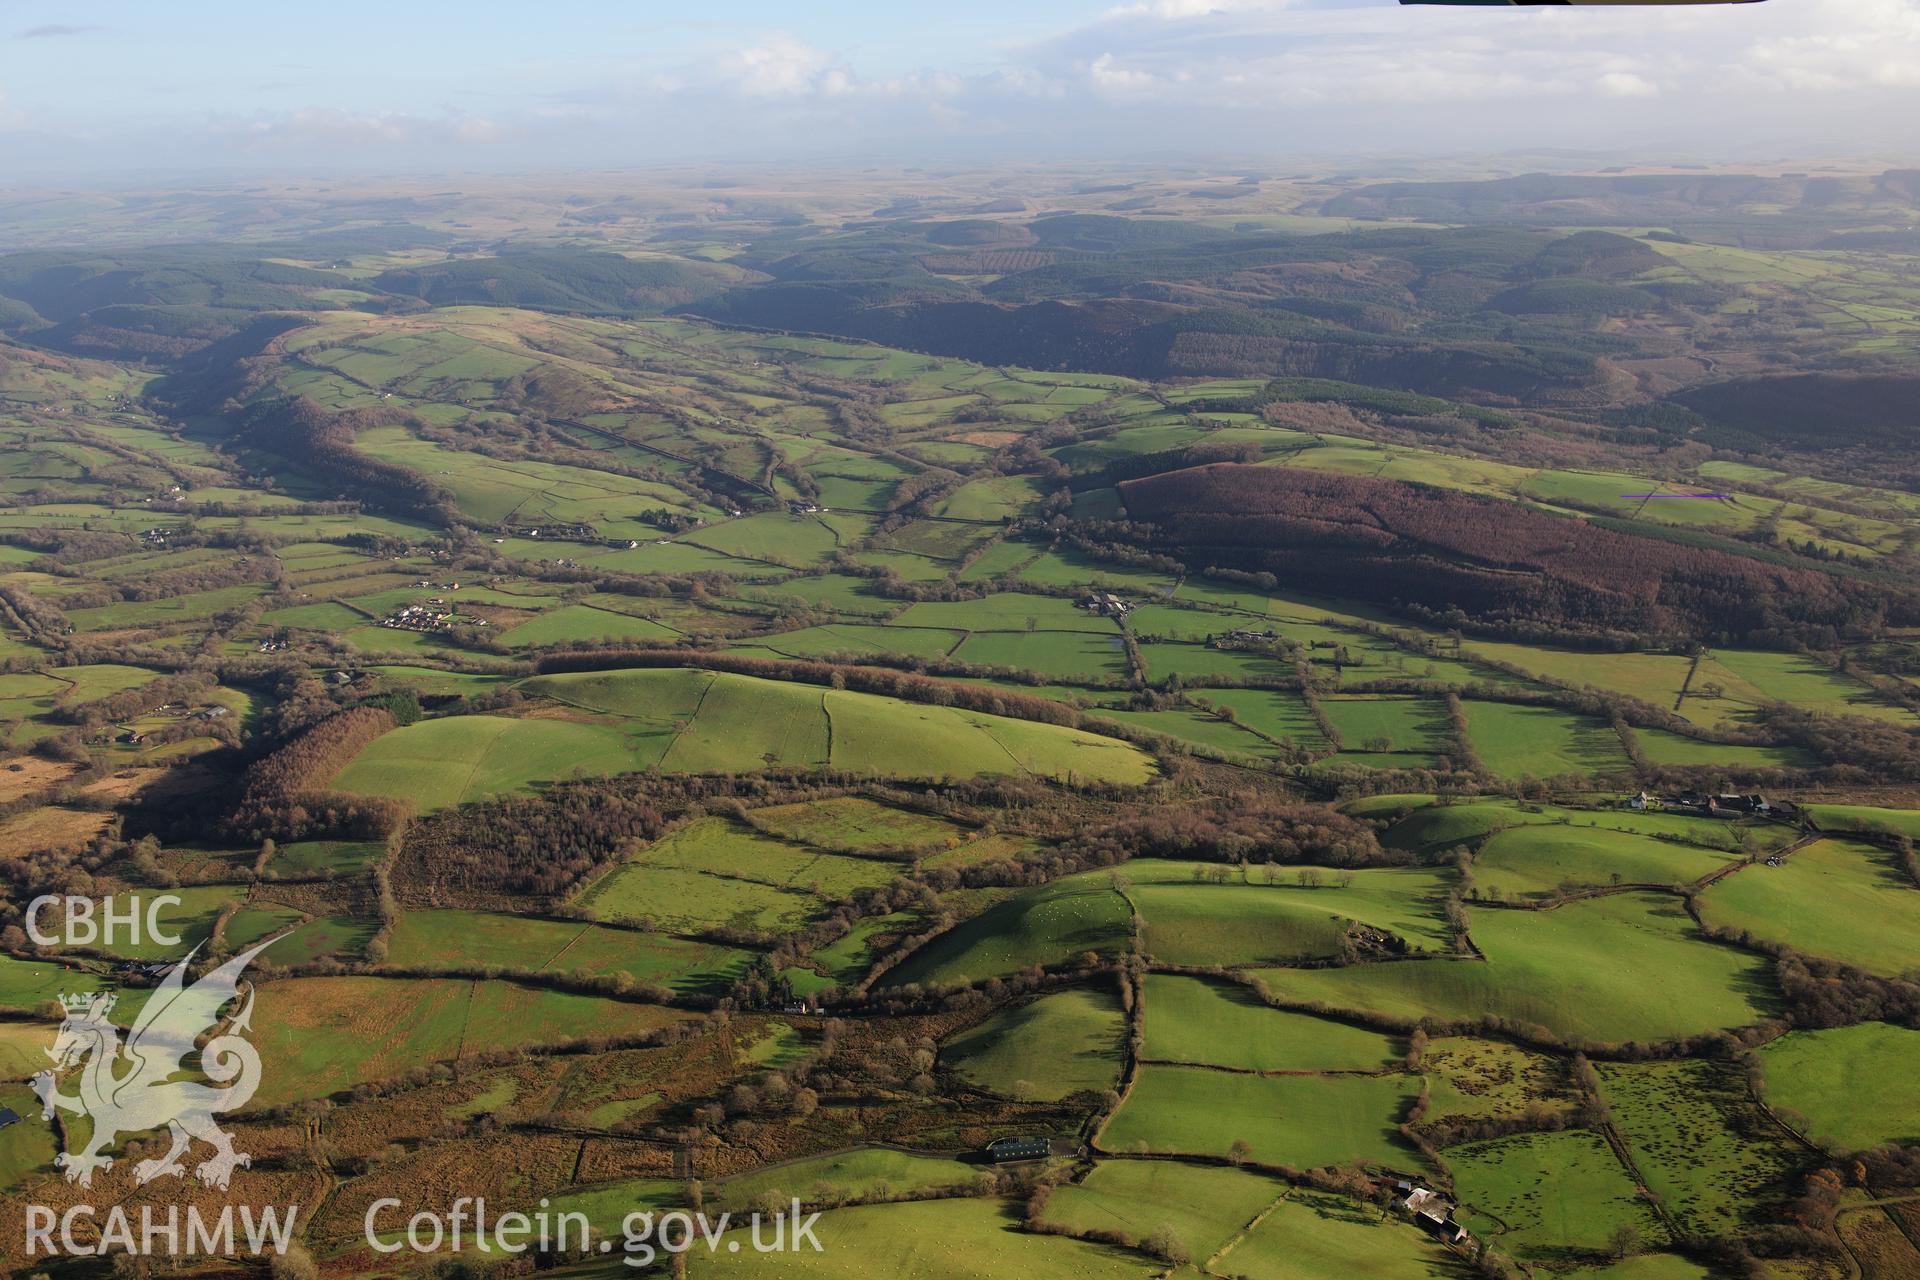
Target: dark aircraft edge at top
x=1530, y=2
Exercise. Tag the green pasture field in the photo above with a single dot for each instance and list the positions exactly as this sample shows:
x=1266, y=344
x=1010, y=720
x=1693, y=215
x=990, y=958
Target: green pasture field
x=332, y=1032
x=22, y=1053
x=1047, y=1049
x=1751, y=677
x=1447, y=826
x=97, y=680
x=1201, y=1206
x=1548, y=1197
x=656, y=557
x=847, y=958
x=1198, y=728
x=1221, y=1024
x=998, y=498
x=843, y=593
x=192, y=918
x=1836, y=898
x=860, y=640
x=1388, y=807
x=1064, y=655
x=1854, y=1086
x=1414, y=729
x=196, y=607
x=330, y=937
x=1651, y=677
x=1409, y=902
x=29, y=984
x=390, y=644
x=1468, y=1076
x=431, y=680
x=1234, y=924
x=1278, y=714
x=27, y=1149
x=607, y=1205
x=522, y=491
x=1515, y=740
x=855, y=824
x=953, y=1239
x=720, y=721
x=720, y=847
x=1303, y=1121
x=1546, y=861
x=456, y=939
x=1649, y=1266
x=436, y=763
x=1047, y=924
x=1661, y=747
x=1000, y=560
x=948, y=543
x=576, y=622
x=1169, y=658
x=1066, y=567
x=1705, y=1148
x=908, y=566
x=682, y=901
x=1006, y=611
x=1155, y=623
x=774, y=537
x=1860, y=817
x=328, y=615
x=1311, y=1235
x=1578, y=971
x=882, y=736
x=864, y=1173
x=341, y=856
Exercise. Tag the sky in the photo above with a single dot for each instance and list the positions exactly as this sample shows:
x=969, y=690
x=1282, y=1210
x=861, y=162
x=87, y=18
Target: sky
x=138, y=89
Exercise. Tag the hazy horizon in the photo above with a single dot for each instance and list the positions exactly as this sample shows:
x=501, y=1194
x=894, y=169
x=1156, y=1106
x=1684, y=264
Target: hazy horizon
x=119, y=91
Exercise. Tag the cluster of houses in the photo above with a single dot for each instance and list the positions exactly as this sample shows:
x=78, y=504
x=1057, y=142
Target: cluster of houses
x=1244, y=636
x=426, y=615
x=273, y=644
x=572, y=532
x=1107, y=604
x=806, y=508
x=1431, y=1213
x=130, y=737
x=155, y=537
x=1729, y=806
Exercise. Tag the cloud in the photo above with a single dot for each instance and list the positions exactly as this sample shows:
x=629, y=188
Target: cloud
x=329, y=129
x=781, y=66
x=1627, y=84
x=1234, y=62
x=53, y=29
x=1298, y=78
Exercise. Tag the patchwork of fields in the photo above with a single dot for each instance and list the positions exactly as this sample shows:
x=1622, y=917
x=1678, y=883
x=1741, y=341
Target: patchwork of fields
x=691, y=766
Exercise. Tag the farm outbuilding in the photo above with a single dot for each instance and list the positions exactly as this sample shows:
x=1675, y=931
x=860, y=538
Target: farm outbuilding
x=1007, y=1150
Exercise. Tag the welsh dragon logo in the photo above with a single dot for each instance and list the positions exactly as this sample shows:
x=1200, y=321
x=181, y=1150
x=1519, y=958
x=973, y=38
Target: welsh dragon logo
x=130, y=1088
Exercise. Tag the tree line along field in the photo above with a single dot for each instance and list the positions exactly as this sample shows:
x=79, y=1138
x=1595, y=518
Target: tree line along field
x=690, y=765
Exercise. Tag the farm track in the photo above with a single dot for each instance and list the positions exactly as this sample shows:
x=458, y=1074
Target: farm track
x=1624, y=1154
x=1244, y=1232
x=1267, y=1073
x=1686, y=890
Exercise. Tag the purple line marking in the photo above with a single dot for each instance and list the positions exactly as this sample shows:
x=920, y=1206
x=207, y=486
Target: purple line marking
x=1647, y=497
